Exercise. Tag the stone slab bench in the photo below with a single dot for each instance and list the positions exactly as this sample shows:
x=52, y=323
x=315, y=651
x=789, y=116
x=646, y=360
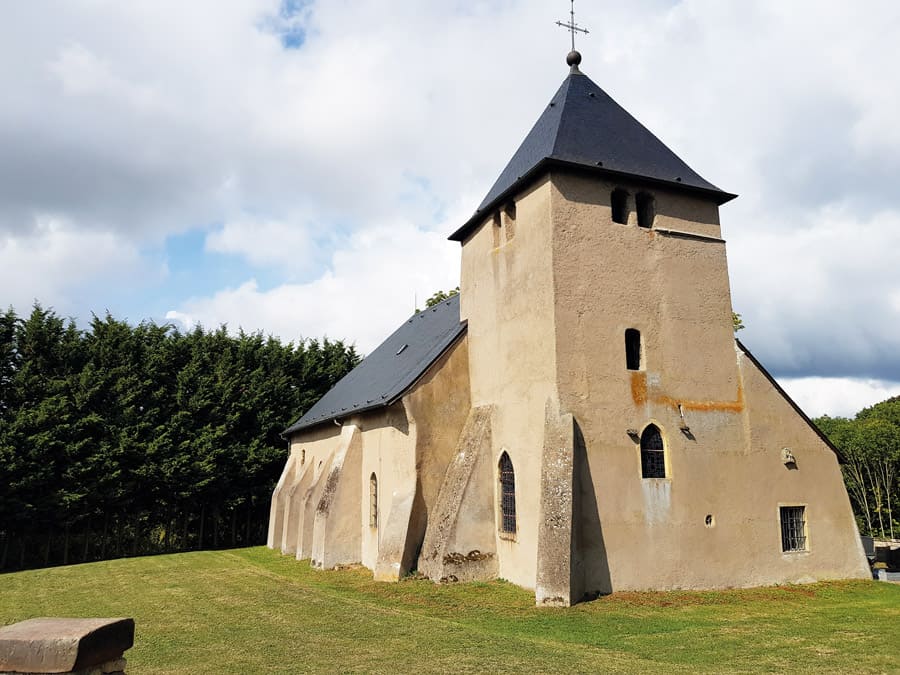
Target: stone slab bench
x=75, y=646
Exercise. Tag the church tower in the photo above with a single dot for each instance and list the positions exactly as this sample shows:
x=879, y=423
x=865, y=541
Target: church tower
x=648, y=447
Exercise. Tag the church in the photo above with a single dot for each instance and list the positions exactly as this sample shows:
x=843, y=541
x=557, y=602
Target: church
x=580, y=418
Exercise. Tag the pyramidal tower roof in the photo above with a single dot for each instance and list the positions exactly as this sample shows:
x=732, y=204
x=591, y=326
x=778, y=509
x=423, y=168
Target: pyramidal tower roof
x=584, y=128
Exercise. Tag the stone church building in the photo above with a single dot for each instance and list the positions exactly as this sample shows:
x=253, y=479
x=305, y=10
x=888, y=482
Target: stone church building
x=580, y=418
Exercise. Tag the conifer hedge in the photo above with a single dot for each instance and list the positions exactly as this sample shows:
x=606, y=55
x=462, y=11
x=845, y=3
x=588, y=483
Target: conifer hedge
x=126, y=440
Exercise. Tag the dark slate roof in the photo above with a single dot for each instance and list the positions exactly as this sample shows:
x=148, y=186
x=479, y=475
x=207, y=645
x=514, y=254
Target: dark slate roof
x=389, y=371
x=584, y=128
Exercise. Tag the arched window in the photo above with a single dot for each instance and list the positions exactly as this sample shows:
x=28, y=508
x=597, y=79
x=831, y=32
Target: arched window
x=646, y=209
x=507, y=495
x=653, y=453
x=373, y=501
x=633, y=349
x=619, y=202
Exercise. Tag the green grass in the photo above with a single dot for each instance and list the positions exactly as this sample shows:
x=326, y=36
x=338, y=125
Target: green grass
x=255, y=611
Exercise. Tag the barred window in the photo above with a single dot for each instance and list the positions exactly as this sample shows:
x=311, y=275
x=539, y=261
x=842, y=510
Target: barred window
x=507, y=495
x=653, y=453
x=373, y=501
x=793, y=528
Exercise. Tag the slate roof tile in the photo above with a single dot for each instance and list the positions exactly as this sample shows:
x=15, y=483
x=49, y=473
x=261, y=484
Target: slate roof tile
x=389, y=371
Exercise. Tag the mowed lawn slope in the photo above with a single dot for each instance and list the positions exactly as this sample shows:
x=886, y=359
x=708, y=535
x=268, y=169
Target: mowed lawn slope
x=255, y=611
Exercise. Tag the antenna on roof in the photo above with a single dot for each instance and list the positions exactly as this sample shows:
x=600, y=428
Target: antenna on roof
x=573, y=58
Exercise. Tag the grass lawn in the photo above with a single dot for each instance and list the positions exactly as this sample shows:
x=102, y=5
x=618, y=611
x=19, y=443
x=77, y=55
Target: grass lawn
x=255, y=611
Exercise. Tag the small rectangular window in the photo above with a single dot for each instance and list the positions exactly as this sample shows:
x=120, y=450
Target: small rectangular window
x=633, y=349
x=793, y=528
x=646, y=209
x=619, y=204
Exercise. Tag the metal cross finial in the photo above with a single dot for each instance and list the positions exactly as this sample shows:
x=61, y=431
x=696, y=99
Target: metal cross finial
x=572, y=26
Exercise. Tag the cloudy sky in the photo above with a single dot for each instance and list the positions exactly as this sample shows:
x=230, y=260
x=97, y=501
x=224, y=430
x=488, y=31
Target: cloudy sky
x=295, y=166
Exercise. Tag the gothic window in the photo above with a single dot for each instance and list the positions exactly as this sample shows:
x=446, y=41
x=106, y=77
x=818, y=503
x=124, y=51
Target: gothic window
x=373, y=501
x=793, y=528
x=646, y=209
x=620, y=206
x=507, y=495
x=653, y=453
x=633, y=349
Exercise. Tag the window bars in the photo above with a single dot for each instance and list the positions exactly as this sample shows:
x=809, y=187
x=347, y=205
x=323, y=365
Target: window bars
x=373, y=501
x=793, y=528
x=653, y=456
x=507, y=495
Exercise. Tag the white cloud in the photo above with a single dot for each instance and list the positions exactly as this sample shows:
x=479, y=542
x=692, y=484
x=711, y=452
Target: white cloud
x=286, y=244
x=370, y=288
x=68, y=261
x=837, y=397
x=134, y=121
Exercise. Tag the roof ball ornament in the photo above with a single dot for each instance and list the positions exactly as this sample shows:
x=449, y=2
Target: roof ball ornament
x=573, y=58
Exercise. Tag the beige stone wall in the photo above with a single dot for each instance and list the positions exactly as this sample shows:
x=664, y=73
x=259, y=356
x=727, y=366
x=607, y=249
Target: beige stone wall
x=671, y=283
x=507, y=297
x=835, y=549
x=321, y=505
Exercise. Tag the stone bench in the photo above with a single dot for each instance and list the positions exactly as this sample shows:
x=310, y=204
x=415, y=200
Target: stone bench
x=76, y=646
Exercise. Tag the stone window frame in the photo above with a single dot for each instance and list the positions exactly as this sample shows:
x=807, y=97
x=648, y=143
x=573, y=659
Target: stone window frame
x=646, y=465
x=506, y=497
x=786, y=531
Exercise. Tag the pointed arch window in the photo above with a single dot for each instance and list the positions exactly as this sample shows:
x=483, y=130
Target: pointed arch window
x=653, y=453
x=373, y=501
x=507, y=495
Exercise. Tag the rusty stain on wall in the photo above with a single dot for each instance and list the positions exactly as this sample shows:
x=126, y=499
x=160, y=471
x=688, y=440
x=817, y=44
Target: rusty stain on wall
x=640, y=395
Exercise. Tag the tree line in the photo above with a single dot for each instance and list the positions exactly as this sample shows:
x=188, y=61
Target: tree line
x=123, y=440
x=870, y=443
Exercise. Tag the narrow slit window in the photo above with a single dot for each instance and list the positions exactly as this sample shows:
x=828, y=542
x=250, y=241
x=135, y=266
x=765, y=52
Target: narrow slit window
x=633, y=349
x=620, y=206
x=646, y=209
x=373, y=501
x=507, y=495
x=653, y=453
x=509, y=216
x=793, y=528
